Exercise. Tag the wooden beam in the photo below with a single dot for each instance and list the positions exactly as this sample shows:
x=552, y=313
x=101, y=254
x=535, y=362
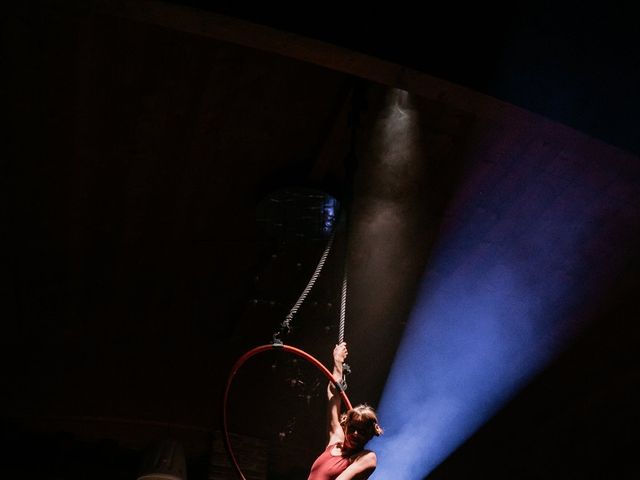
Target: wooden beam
x=251, y=35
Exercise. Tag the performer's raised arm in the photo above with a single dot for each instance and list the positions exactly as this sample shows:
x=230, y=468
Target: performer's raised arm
x=345, y=457
x=335, y=432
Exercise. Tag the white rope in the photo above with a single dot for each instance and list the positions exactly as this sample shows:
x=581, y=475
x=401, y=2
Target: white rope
x=346, y=369
x=286, y=325
x=343, y=307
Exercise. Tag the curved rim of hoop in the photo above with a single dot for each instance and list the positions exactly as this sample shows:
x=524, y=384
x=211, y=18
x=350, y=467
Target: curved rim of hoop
x=253, y=352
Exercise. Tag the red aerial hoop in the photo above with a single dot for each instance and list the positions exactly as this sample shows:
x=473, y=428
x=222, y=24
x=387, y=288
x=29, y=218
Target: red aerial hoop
x=251, y=353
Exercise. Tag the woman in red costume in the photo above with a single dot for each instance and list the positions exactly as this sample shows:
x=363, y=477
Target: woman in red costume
x=345, y=457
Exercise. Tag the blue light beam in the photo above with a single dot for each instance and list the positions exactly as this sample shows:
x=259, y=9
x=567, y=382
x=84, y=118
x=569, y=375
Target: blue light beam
x=527, y=248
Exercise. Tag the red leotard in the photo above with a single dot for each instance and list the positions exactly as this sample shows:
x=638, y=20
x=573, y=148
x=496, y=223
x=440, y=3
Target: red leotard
x=327, y=466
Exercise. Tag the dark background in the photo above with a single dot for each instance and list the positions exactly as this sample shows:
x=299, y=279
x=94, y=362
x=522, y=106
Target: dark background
x=575, y=62
x=135, y=269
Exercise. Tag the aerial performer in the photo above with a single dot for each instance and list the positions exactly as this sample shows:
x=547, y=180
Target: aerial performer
x=345, y=457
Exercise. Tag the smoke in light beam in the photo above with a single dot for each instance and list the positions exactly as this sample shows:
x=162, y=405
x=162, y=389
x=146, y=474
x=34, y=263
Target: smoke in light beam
x=529, y=244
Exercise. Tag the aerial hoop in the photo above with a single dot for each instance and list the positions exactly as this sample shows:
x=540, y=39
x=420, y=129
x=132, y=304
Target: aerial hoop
x=251, y=353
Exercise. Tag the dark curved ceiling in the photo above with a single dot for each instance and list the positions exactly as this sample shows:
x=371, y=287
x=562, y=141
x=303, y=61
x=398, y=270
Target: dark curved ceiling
x=573, y=62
